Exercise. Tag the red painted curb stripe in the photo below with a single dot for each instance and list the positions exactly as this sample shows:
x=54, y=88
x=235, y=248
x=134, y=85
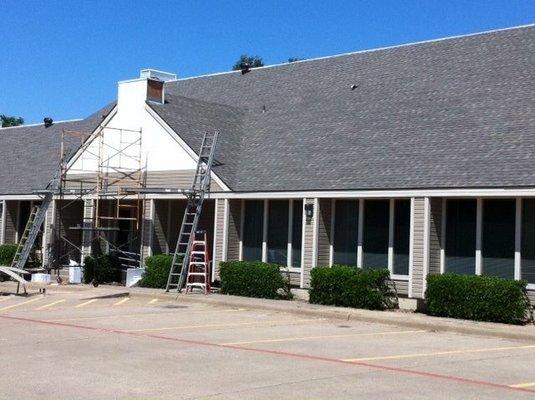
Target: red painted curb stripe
x=276, y=352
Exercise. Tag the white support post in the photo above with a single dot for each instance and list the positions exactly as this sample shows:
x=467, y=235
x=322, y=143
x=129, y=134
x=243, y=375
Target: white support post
x=242, y=218
x=427, y=234
x=87, y=224
x=226, y=208
x=518, y=238
x=265, y=231
x=391, y=236
x=47, y=239
x=316, y=233
x=411, y=248
x=360, y=233
x=3, y=223
x=331, y=239
x=303, y=245
x=479, y=236
x=17, y=225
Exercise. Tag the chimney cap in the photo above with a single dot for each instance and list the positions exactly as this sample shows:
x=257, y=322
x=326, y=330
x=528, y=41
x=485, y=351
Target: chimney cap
x=48, y=121
x=157, y=75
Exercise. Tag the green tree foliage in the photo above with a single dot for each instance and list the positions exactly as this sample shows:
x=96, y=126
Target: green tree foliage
x=10, y=121
x=293, y=59
x=251, y=61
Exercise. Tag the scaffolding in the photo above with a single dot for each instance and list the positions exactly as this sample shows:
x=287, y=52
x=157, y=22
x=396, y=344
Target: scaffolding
x=110, y=173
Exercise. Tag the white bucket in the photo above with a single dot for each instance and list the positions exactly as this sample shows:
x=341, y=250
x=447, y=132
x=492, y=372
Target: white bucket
x=41, y=278
x=75, y=274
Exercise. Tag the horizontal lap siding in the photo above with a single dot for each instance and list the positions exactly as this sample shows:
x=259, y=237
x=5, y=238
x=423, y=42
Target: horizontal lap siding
x=324, y=232
x=234, y=230
x=402, y=287
x=2, y=211
x=218, y=252
x=418, y=248
x=308, y=245
x=11, y=221
x=435, y=235
x=148, y=229
x=531, y=295
x=161, y=215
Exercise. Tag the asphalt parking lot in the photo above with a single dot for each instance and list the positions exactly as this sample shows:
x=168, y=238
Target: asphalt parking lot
x=79, y=344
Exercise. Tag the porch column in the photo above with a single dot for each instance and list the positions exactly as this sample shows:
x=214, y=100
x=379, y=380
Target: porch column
x=419, y=246
x=87, y=224
x=2, y=222
x=48, y=233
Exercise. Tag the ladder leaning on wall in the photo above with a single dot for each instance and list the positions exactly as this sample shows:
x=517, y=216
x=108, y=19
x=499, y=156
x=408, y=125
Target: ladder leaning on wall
x=190, y=221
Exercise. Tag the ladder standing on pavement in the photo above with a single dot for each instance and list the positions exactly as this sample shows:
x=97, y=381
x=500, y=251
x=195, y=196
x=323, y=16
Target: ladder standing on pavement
x=199, y=264
x=195, y=198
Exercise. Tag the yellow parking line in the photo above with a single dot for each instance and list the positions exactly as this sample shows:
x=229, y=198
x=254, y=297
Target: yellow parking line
x=86, y=303
x=20, y=304
x=185, y=326
x=153, y=301
x=290, y=339
x=51, y=304
x=523, y=385
x=122, y=301
x=440, y=353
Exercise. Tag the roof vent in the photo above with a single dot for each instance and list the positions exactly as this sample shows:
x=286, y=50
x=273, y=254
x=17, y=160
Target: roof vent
x=48, y=122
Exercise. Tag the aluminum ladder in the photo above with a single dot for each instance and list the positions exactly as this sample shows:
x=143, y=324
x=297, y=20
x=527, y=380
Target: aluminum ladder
x=190, y=221
x=199, y=264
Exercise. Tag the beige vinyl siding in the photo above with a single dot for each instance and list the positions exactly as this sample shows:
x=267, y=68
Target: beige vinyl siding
x=48, y=232
x=435, y=235
x=219, y=251
x=418, y=247
x=309, y=259
x=531, y=295
x=176, y=179
x=11, y=221
x=2, y=211
x=88, y=215
x=324, y=232
x=402, y=287
x=148, y=229
x=161, y=216
x=234, y=230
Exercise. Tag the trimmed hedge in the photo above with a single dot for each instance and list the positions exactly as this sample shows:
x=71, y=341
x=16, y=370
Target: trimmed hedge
x=156, y=271
x=102, y=269
x=479, y=298
x=7, y=253
x=351, y=287
x=253, y=279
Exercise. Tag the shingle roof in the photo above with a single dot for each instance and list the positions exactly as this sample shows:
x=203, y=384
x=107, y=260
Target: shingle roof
x=450, y=113
x=30, y=154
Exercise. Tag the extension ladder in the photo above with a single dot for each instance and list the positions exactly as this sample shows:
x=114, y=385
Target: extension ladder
x=199, y=264
x=190, y=221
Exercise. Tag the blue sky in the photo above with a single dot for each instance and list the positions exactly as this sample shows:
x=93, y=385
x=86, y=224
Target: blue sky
x=63, y=58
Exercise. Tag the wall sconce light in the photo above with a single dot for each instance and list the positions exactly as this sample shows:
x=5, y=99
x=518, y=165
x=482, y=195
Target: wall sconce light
x=309, y=210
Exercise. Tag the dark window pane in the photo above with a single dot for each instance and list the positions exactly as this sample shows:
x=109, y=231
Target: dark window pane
x=297, y=233
x=528, y=240
x=499, y=237
x=375, y=234
x=461, y=215
x=345, y=232
x=402, y=231
x=252, y=230
x=277, y=241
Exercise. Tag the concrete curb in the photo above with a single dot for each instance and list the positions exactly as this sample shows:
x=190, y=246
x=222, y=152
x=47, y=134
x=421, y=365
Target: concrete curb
x=397, y=318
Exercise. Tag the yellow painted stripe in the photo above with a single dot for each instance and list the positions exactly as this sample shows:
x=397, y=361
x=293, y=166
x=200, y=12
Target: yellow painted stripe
x=86, y=303
x=122, y=301
x=185, y=326
x=523, y=385
x=21, y=304
x=51, y=304
x=290, y=339
x=153, y=301
x=441, y=353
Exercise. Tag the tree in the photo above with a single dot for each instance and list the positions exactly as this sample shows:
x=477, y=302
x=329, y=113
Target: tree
x=11, y=121
x=245, y=60
x=293, y=59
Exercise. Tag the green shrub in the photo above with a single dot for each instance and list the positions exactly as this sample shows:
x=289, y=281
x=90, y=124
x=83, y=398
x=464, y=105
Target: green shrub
x=479, y=298
x=156, y=271
x=351, y=287
x=253, y=279
x=7, y=252
x=102, y=269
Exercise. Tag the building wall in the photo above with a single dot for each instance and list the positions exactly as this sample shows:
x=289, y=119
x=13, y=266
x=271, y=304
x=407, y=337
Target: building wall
x=418, y=251
x=10, y=233
x=435, y=235
x=324, y=232
x=234, y=230
x=160, y=243
x=219, y=251
x=2, y=220
x=310, y=229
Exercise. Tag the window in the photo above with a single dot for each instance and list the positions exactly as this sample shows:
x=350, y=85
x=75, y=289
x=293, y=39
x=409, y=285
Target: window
x=345, y=232
x=402, y=228
x=297, y=232
x=277, y=240
x=528, y=241
x=499, y=237
x=253, y=228
x=460, y=251
x=375, y=233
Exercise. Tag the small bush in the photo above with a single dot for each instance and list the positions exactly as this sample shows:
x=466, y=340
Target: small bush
x=7, y=252
x=253, y=279
x=351, y=287
x=156, y=271
x=479, y=298
x=102, y=269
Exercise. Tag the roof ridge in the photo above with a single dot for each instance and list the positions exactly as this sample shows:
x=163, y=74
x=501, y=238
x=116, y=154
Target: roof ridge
x=39, y=124
x=441, y=39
